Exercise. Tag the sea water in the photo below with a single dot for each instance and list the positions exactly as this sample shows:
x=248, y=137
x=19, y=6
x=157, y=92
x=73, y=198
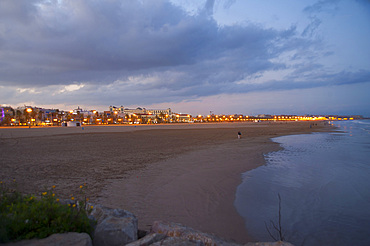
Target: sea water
x=323, y=180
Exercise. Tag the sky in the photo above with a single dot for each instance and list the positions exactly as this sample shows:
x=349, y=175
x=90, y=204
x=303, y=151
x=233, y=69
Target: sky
x=221, y=56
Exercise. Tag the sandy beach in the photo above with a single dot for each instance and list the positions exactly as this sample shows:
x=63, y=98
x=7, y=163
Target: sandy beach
x=185, y=173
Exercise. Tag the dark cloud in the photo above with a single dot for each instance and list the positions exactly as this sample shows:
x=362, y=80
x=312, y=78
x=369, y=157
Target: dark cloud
x=83, y=35
x=92, y=40
x=146, y=51
x=21, y=11
x=67, y=42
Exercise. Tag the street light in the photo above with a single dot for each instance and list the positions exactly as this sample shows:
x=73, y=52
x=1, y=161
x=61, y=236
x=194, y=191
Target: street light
x=29, y=110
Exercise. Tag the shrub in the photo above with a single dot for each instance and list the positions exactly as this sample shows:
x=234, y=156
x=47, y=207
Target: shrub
x=26, y=217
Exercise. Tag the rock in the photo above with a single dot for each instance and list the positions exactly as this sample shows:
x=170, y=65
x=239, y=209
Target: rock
x=170, y=241
x=99, y=213
x=120, y=227
x=148, y=240
x=187, y=233
x=60, y=239
x=280, y=243
x=141, y=233
x=114, y=226
x=115, y=231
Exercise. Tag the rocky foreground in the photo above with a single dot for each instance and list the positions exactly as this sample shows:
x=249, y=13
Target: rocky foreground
x=116, y=227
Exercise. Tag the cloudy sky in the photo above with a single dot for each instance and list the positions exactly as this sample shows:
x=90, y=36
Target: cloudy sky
x=225, y=56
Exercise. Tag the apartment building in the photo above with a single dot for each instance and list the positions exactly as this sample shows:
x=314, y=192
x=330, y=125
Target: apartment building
x=139, y=110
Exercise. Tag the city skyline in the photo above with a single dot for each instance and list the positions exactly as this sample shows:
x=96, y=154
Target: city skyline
x=124, y=111
x=34, y=116
x=225, y=56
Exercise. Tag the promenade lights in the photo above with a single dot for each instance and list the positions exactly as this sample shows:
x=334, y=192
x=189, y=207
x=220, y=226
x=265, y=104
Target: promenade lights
x=29, y=110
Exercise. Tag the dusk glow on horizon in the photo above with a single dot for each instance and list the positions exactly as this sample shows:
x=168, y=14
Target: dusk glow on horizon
x=222, y=56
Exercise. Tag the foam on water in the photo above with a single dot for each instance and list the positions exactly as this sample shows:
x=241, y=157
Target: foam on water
x=324, y=183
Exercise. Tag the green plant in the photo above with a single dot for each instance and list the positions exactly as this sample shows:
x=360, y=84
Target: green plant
x=28, y=216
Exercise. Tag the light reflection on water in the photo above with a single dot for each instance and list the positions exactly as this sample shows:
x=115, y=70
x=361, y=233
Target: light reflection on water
x=324, y=183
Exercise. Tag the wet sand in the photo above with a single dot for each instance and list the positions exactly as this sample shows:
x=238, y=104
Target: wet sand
x=185, y=173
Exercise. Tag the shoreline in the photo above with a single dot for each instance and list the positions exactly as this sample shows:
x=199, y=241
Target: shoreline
x=184, y=173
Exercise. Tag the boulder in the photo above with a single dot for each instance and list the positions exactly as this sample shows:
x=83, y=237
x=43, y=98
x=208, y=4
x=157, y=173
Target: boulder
x=170, y=241
x=120, y=227
x=148, y=240
x=193, y=236
x=60, y=239
x=114, y=226
x=279, y=243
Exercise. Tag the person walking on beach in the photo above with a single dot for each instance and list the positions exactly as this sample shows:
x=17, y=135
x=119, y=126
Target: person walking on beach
x=239, y=135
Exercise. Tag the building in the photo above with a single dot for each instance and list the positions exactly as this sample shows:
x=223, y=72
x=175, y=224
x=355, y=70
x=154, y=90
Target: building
x=121, y=110
x=6, y=111
x=78, y=110
x=71, y=124
x=138, y=110
x=184, y=118
x=159, y=111
x=114, y=109
x=6, y=115
x=142, y=111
